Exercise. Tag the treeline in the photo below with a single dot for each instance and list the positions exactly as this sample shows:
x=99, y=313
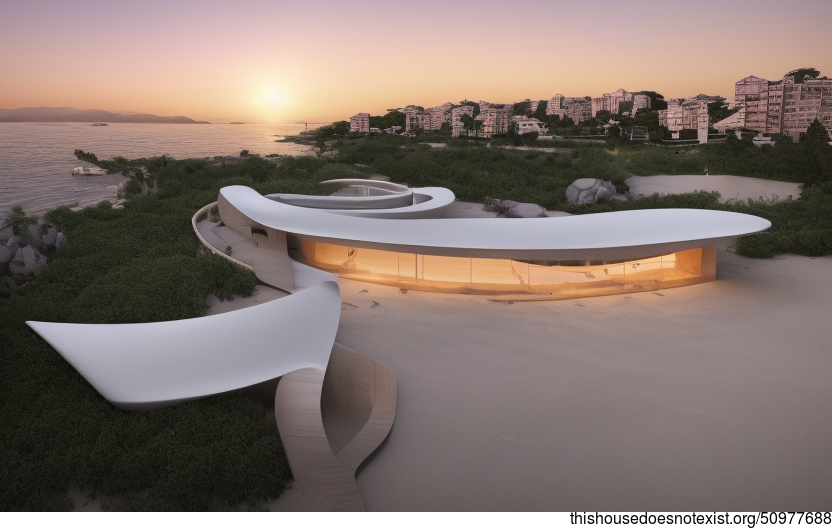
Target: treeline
x=139, y=264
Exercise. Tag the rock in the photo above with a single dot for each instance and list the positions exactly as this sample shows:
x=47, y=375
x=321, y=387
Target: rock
x=512, y=209
x=31, y=236
x=583, y=184
x=526, y=210
x=12, y=250
x=49, y=238
x=6, y=234
x=592, y=190
x=5, y=254
x=117, y=206
x=60, y=241
x=27, y=261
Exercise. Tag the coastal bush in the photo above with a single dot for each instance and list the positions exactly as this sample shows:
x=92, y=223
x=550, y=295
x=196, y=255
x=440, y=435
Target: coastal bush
x=138, y=264
x=18, y=220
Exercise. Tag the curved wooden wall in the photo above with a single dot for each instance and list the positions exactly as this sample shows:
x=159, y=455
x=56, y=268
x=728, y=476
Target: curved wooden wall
x=330, y=423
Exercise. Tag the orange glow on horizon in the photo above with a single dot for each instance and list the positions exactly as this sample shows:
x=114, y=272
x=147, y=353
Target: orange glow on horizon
x=264, y=61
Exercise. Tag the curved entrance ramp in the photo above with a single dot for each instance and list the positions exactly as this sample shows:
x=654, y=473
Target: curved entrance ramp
x=330, y=423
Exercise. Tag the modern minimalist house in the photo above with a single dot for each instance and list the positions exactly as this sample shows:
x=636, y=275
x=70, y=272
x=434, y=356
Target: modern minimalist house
x=389, y=234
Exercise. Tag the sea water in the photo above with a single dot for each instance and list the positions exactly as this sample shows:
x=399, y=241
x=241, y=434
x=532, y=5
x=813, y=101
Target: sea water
x=36, y=159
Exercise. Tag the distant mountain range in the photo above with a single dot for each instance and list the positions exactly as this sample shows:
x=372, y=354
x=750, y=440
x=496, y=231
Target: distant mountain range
x=44, y=114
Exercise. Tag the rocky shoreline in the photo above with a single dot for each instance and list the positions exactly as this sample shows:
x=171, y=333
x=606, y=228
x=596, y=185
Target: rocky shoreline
x=24, y=252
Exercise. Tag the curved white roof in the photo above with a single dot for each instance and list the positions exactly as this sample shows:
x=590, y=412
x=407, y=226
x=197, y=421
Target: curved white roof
x=423, y=202
x=603, y=236
x=149, y=365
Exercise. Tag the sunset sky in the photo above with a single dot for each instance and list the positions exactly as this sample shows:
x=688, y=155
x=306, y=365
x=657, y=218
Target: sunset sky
x=283, y=61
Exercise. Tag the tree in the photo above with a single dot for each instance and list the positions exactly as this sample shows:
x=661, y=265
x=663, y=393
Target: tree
x=816, y=134
x=338, y=128
x=392, y=118
x=523, y=108
x=89, y=157
x=540, y=113
x=647, y=119
x=718, y=110
x=466, y=102
x=18, y=220
x=469, y=123
x=801, y=74
x=603, y=116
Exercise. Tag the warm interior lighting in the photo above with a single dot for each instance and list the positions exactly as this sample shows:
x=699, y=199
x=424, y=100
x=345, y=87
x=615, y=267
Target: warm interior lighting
x=483, y=275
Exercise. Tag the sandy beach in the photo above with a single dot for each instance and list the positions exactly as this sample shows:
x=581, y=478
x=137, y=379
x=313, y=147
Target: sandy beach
x=709, y=397
x=730, y=188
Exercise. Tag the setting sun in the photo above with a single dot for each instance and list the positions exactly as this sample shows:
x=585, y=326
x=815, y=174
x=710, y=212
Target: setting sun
x=274, y=97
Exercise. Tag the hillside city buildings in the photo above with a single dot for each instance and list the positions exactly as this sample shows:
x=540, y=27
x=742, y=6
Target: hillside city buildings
x=782, y=106
x=767, y=107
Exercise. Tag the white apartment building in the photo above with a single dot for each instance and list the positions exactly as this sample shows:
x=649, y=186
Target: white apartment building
x=360, y=123
x=578, y=109
x=555, y=105
x=611, y=102
x=494, y=120
x=437, y=115
x=682, y=114
x=805, y=102
x=456, y=119
x=525, y=125
x=640, y=101
x=783, y=106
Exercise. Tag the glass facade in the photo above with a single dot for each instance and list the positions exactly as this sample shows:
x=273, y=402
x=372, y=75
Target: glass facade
x=492, y=276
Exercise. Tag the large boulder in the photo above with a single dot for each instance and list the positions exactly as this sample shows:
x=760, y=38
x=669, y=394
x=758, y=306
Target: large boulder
x=6, y=234
x=50, y=237
x=592, y=190
x=512, y=209
x=31, y=236
x=27, y=261
x=526, y=210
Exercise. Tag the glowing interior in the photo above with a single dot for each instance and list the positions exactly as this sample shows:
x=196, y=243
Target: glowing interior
x=484, y=275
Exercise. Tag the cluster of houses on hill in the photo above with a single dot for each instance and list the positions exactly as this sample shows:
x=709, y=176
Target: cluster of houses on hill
x=768, y=107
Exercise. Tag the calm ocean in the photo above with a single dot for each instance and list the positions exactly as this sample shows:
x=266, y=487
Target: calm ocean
x=36, y=159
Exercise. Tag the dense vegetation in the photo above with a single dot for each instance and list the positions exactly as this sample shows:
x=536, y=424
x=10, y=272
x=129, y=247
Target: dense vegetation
x=143, y=263
x=138, y=264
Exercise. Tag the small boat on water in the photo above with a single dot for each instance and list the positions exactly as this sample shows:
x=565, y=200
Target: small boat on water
x=88, y=171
